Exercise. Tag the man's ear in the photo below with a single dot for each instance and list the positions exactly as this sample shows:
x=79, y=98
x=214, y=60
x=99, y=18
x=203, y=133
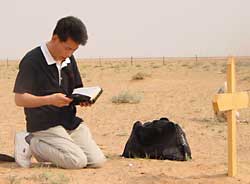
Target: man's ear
x=55, y=38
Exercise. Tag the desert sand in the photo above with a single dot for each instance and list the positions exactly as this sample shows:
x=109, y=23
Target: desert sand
x=181, y=90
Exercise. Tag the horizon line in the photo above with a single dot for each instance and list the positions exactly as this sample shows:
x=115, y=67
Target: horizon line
x=147, y=57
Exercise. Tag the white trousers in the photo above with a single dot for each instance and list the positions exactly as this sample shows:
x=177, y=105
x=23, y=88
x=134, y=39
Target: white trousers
x=67, y=149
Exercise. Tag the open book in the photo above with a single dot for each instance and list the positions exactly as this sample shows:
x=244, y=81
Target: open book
x=86, y=94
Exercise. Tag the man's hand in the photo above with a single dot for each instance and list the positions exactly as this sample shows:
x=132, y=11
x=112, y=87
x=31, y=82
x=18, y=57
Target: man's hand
x=85, y=104
x=31, y=101
x=59, y=100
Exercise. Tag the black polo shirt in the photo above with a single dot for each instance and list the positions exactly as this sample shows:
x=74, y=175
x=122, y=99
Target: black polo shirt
x=38, y=78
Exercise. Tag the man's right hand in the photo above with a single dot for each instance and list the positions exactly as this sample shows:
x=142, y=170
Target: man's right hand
x=31, y=101
x=59, y=100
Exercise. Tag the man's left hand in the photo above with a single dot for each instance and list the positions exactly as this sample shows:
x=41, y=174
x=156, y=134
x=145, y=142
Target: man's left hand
x=85, y=104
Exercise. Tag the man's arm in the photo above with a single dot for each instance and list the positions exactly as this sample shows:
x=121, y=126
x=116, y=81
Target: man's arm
x=31, y=101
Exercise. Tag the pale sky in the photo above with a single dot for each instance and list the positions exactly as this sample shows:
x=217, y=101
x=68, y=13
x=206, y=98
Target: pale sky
x=138, y=28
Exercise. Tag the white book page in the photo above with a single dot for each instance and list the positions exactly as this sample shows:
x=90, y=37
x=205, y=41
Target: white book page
x=88, y=91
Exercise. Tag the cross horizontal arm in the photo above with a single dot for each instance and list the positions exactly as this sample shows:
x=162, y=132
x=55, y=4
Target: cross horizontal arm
x=230, y=101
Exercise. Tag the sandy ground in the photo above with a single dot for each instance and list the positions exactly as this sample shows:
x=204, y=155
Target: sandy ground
x=179, y=90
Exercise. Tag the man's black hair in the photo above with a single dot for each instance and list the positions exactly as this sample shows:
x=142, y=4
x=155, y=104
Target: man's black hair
x=71, y=27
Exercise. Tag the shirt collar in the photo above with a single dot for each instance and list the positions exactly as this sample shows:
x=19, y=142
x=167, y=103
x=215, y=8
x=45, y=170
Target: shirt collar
x=49, y=59
x=66, y=62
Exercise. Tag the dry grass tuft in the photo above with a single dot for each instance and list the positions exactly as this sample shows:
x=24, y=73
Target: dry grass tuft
x=126, y=97
x=45, y=177
x=140, y=76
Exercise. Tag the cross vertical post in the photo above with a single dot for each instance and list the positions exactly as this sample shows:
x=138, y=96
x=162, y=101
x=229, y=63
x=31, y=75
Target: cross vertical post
x=231, y=117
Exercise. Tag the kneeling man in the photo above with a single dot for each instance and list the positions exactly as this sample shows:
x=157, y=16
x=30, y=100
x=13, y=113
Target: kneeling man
x=47, y=76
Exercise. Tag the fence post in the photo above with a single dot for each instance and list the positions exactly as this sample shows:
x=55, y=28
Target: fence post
x=163, y=60
x=100, y=61
x=131, y=60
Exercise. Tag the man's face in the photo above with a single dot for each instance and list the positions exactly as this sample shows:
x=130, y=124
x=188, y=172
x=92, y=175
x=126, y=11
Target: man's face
x=64, y=49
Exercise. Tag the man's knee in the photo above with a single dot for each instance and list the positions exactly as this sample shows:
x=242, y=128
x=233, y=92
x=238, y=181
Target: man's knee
x=98, y=162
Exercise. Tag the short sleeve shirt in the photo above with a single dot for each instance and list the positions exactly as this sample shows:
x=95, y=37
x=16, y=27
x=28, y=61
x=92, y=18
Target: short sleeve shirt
x=38, y=78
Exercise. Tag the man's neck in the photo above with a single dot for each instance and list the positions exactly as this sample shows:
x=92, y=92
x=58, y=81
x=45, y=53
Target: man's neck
x=52, y=52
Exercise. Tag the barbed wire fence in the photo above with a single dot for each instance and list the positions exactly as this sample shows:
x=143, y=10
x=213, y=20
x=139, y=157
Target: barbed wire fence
x=161, y=60
x=137, y=60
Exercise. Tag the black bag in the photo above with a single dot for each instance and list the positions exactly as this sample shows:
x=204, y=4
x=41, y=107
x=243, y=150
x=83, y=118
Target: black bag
x=6, y=158
x=159, y=139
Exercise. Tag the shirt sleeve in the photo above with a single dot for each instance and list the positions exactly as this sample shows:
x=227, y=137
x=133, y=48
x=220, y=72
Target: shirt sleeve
x=25, y=78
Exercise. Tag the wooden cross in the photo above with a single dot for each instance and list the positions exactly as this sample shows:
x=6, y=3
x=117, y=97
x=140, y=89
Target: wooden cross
x=230, y=102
